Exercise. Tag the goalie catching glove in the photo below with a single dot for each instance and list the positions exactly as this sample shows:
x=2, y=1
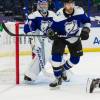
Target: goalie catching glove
x=85, y=33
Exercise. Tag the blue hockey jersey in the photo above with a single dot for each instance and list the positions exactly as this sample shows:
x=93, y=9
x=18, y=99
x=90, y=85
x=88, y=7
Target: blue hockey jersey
x=68, y=26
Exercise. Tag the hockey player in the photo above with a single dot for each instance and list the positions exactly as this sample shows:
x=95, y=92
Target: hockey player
x=38, y=20
x=68, y=33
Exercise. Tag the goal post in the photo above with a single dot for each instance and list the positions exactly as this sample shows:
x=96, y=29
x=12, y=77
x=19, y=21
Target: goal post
x=17, y=52
x=17, y=30
x=12, y=50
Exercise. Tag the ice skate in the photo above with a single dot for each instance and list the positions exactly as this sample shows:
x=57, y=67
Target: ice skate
x=56, y=83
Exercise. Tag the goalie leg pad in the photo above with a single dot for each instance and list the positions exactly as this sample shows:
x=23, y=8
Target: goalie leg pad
x=34, y=68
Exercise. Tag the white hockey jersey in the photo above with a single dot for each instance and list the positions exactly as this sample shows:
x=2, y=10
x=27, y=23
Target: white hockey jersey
x=37, y=21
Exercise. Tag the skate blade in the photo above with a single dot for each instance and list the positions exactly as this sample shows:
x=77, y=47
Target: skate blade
x=66, y=80
x=55, y=88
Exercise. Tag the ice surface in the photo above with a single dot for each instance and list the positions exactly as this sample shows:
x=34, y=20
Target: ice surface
x=89, y=67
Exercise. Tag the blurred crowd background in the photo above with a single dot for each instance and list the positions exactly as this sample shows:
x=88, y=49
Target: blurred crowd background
x=13, y=9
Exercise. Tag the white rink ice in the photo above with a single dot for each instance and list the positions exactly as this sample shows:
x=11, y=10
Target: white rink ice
x=89, y=66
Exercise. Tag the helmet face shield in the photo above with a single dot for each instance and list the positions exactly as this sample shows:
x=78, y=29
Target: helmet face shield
x=42, y=6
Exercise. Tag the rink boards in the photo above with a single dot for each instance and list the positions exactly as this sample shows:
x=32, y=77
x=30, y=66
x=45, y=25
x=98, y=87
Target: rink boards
x=91, y=45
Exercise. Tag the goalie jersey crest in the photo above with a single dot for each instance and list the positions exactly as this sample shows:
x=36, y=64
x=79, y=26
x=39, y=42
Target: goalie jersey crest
x=39, y=22
x=45, y=25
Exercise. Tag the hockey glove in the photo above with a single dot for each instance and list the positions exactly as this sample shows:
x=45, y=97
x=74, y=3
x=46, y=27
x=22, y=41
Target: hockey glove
x=51, y=34
x=85, y=33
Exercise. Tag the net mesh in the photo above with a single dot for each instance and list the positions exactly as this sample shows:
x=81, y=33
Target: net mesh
x=15, y=54
x=7, y=58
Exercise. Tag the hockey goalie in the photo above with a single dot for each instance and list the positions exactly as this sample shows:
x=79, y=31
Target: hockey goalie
x=37, y=23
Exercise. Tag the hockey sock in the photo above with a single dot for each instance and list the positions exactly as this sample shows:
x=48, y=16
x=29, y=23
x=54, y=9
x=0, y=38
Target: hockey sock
x=57, y=71
x=71, y=62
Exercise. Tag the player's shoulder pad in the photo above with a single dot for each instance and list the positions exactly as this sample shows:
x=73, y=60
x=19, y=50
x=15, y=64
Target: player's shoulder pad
x=33, y=15
x=59, y=12
x=51, y=13
x=78, y=10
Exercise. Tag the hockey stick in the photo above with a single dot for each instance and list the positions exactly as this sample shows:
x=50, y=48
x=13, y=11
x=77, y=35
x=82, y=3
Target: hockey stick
x=28, y=35
x=13, y=34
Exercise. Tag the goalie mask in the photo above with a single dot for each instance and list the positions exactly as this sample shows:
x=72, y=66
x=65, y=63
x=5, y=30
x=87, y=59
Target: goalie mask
x=42, y=6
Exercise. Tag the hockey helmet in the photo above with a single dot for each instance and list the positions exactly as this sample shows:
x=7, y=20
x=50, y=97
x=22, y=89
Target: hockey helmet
x=40, y=6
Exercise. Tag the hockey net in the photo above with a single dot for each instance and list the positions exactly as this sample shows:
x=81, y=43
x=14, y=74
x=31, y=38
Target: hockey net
x=12, y=48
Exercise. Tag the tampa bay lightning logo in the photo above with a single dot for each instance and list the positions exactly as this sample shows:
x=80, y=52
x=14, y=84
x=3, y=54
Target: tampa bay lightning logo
x=71, y=27
x=45, y=25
